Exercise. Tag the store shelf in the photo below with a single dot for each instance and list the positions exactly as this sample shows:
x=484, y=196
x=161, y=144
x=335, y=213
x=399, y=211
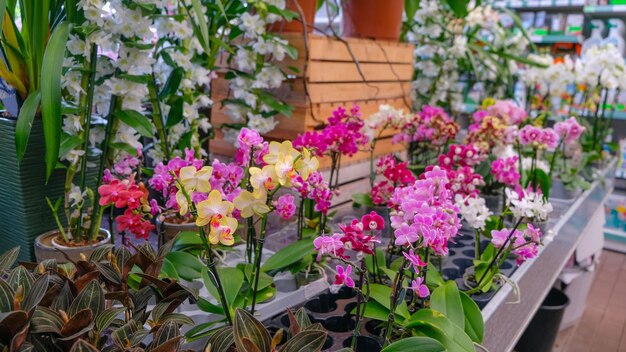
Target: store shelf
x=551, y=39
x=563, y=6
x=615, y=239
x=604, y=10
x=552, y=257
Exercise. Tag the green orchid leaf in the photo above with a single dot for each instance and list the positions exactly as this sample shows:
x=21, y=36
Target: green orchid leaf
x=474, y=324
x=25, y=123
x=422, y=344
x=51, y=71
x=447, y=300
x=288, y=255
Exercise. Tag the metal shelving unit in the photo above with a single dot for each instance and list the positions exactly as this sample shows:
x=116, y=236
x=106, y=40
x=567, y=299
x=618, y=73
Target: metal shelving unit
x=603, y=11
x=535, y=278
x=556, y=38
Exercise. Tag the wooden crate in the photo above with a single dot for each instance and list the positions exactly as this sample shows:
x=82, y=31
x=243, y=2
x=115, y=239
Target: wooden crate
x=328, y=77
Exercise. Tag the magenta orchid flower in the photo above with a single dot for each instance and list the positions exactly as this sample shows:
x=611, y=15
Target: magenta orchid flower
x=415, y=260
x=343, y=276
x=420, y=289
x=328, y=245
x=372, y=222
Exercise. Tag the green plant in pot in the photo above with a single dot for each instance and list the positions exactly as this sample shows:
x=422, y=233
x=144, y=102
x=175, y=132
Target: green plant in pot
x=33, y=45
x=101, y=126
x=522, y=241
x=567, y=160
x=111, y=301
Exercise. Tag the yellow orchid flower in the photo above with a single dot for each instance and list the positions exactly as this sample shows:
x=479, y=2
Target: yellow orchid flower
x=183, y=205
x=196, y=180
x=250, y=203
x=222, y=231
x=275, y=149
x=265, y=178
x=307, y=164
x=212, y=208
x=284, y=168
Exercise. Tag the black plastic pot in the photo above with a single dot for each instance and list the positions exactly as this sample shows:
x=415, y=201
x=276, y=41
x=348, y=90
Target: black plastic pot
x=544, y=327
x=364, y=343
x=322, y=304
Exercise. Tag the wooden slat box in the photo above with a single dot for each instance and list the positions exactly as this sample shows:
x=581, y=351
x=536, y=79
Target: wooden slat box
x=328, y=77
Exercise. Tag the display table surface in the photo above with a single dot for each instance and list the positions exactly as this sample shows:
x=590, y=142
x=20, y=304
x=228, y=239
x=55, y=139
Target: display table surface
x=505, y=321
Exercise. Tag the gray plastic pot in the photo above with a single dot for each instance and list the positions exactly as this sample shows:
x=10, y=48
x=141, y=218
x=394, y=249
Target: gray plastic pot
x=559, y=191
x=47, y=248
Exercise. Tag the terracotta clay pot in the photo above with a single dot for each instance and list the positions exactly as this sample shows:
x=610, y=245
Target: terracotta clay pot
x=308, y=7
x=372, y=19
x=46, y=247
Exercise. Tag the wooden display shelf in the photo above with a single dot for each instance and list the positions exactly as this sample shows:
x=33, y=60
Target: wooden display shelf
x=327, y=76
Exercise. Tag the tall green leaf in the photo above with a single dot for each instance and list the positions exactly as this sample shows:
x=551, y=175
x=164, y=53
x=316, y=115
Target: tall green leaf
x=410, y=8
x=288, y=255
x=446, y=299
x=172, y=83
x=221, y=339
x=382, y=294
x=8, y=258
x=25, y=123
x=433, y=324
x=458, y=7
x=141, y=123
x=20, y=277
x=83, y=346
x=51, y=71
x=311, y=340
x=474, y=324
x=106, y=317
x=92, y=297
x=422, y=344
x=36, y=292
x=246, y=326
x=45, y=320
x=6, y=297
x=232, y=281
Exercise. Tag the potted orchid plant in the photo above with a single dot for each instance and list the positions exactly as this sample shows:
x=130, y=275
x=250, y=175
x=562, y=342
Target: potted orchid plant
x=388, y=172
x=100, y=86
x=529, y=207
x=224, y=177
x=425, y=219
x=523, y=244
x=426, y=134
x=30, y=72
x=268, y=168
x=342, y=136
x=566, y=160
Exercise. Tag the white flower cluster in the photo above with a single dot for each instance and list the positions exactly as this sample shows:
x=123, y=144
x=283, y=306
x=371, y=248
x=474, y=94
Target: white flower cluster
x=255, y=69
x=602, y=66
x=443, y=49
x=183, y=49
x=473, y=210
x=388, y=116
x=531, y=205
x=123, y=36
x=552, y=80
